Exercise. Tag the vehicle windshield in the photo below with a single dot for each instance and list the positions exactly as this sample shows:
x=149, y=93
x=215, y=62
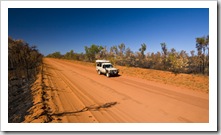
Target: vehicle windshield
x=108, y=66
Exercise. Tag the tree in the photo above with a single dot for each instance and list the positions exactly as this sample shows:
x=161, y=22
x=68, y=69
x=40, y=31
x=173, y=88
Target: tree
x=157, y=61
x=172, y=60
x=193, y=62
x=164, y=49
x=103, y=53
x=129, y=57
x=143, y=49
x=202, y=44
x=22, y=59
x=122, y=49
x=114, y=50
x=128, y=53
x=92, y=51
x=69, y=55
x=55, y=55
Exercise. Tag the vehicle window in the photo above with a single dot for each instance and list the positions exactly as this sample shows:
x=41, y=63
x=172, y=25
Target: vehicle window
x=98, y=64
x=109, y=66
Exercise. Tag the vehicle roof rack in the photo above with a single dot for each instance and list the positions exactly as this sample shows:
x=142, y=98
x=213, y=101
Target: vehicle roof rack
x=102, y=61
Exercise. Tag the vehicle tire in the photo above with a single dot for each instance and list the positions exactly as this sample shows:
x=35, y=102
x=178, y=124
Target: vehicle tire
x=99, y=72
x=108, y=74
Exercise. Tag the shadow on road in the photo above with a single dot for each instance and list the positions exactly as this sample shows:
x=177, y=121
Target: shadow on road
x=87, y=108
x=114, y=76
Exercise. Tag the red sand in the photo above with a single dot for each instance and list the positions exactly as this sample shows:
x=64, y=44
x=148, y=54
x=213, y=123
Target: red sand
x=71, y=92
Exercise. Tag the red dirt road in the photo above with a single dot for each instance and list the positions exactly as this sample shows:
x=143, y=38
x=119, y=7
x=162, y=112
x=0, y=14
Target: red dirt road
x=76, y=93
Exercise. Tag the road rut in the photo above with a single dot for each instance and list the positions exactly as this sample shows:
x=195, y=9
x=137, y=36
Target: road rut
x=76, y=93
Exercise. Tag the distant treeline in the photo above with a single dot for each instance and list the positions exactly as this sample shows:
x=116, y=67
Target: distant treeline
x=167, y=59
x=23, y=59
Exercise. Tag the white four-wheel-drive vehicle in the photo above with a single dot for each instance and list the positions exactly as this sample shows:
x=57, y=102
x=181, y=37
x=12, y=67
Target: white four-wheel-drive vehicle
x=105, y=67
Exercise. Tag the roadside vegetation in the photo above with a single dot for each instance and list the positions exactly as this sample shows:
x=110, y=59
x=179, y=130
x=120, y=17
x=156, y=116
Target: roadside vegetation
x=23, y=59
x=165, y=60
x=23, y=65
x=196, y=82
x=168, y=66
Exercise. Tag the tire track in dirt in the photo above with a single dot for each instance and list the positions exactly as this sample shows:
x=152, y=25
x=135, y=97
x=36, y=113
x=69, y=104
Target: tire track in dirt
x=86, y=98
x=120, y=96
x=83, y=95
x=199, y=102
x=76, y=95
x=55, y=101
x=98, y=84
x=39, y=113
x=52, y=107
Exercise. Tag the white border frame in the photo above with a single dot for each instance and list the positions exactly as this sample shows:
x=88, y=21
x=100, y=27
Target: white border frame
x=211, y=126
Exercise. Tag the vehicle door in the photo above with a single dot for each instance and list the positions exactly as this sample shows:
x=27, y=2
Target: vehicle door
x=103, y=69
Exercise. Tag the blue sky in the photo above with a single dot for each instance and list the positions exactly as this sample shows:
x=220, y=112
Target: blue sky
x=73, y=28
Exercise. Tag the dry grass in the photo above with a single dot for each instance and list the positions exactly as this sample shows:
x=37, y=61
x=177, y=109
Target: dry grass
x=190, y=81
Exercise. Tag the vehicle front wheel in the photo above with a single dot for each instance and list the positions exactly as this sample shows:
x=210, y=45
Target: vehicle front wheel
x=99, y=72
x=108, y=74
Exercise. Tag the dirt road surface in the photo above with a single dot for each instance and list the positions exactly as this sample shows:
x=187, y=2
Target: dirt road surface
x=76, y=93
